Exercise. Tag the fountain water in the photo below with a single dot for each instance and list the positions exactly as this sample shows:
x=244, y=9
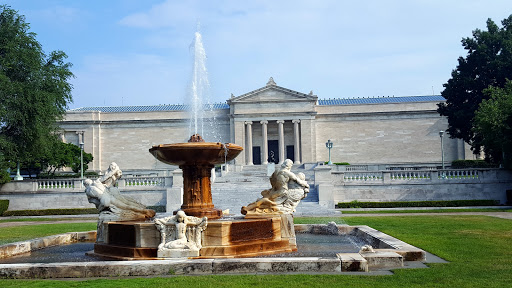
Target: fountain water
x=199, y=94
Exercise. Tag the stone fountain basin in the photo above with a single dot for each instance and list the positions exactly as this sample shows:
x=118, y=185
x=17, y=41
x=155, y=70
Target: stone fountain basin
x=195, y=153
x=390, y=254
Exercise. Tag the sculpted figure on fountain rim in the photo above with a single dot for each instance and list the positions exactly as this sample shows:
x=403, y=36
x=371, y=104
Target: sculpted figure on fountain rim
x=284, y=196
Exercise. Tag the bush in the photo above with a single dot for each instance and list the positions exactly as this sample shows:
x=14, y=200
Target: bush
x=158, y=209
x=338, y=163
x=453, y=203
x=462, y=164
x=4, y=205
x=67, y=176
x=70, y=211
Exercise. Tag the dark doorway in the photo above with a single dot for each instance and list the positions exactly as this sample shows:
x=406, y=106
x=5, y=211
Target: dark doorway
x=256, y=155
x=273, y=151
x=290, y=152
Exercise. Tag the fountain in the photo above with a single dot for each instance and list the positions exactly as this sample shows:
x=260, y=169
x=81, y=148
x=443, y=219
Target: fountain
x=127, y=230
x=197, y=158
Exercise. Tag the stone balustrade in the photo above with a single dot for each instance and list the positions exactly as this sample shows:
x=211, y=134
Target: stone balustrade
x=76, y=185
x=50, y=184
x=411, y=185
x=418, y=176
x=142, y=182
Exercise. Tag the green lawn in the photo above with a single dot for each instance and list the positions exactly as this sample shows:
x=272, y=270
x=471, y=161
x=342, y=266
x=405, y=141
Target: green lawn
x=19, y=233
x=478, y=248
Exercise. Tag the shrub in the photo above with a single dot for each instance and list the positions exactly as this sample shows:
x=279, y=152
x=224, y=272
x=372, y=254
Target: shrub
x=69, y=211
x=452, y=203
x=4, y=205
x=338, y=163
x=158, y=209
x=66, y=176
x=461, y=164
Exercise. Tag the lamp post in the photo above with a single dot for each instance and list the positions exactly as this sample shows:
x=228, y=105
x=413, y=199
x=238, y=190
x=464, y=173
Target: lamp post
x=81, y=160
x=328, y=144
x=441, y=134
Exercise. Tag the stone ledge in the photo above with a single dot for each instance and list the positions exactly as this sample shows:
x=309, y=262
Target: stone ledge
x=380, y=259
x=352, y=262
x=12, y=249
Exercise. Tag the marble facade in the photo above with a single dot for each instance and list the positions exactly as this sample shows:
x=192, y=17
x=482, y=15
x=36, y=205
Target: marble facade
x=273, y=123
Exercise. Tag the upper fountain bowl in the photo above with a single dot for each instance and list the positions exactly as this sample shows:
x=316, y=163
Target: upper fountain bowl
x=193, y=153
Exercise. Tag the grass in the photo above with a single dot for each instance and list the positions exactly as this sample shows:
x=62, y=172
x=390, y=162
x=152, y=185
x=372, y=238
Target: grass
x=478, y=248
x=428, y=211
x=44, y=219
x=25, y=232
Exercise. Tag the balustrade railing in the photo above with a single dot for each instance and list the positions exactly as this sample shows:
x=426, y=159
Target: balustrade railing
x=55, y=184
x=458, y=174
x=410, y=175
x=362, y=176
x=144, y=181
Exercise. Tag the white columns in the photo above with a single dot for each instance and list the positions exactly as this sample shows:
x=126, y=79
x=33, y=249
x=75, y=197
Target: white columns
x=280, y=130
x=249, y=142
x=264, y=144
x=296, y=148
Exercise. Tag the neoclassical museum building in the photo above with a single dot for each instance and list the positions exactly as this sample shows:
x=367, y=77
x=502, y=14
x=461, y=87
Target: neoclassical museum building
x=273, y=123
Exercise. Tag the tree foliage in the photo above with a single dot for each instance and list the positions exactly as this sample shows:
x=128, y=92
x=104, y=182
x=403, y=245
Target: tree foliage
x=492, y=124
x=488, y=63
x=34, y=91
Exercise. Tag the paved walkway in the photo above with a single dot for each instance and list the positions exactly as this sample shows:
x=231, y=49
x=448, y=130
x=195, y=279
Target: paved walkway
x=92, y=219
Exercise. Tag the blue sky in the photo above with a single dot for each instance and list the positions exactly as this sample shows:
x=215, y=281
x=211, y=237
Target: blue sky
x=133, y=52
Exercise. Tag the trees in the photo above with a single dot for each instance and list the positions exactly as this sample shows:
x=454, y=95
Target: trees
x=492, y=124
x=34, y=91
x=488, y=63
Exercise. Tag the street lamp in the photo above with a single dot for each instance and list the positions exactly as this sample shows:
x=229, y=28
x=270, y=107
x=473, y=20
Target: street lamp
x=328, y=144
x=81, y=160
x=441, y=134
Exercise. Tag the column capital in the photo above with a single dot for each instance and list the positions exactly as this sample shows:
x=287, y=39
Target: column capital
x=295, y=121
x=80, y=132
x=264, y=122
x=280, y=121
x=248, y=122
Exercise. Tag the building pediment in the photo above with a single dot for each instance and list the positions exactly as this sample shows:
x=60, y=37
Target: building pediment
x=273, y=93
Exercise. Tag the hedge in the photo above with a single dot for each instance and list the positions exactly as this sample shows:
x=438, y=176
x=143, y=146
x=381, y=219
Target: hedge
x=67, y=175
x=453, y=203
x=69, y=211
x=462, y=164
x=4, y=205
x=338, y=163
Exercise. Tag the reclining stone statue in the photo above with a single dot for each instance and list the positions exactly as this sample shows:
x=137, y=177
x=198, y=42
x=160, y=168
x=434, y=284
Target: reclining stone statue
x=113, y=206
x=284, y=196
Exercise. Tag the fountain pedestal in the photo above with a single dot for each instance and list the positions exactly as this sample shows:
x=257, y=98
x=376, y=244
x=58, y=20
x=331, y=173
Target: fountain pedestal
x=197, y=194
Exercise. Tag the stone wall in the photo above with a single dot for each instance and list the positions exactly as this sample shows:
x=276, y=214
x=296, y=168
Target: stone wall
x=414, y=185
x=385, y=133
x=60, y=194
x=125, y=138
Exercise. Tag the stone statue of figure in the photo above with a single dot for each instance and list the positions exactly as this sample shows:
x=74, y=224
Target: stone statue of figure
x=180, y=232
x=111, y=176
x=286, y=192
x=110, y=203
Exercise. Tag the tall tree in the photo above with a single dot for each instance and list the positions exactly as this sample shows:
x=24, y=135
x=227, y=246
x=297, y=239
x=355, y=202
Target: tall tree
x=34, y=91
x=493, y=124
x=488, y=63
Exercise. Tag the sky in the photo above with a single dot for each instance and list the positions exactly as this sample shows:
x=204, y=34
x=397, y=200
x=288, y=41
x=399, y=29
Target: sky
x=133, y=52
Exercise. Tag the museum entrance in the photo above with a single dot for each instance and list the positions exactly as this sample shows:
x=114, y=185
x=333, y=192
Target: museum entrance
x=256, y=155
x=273, y=151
